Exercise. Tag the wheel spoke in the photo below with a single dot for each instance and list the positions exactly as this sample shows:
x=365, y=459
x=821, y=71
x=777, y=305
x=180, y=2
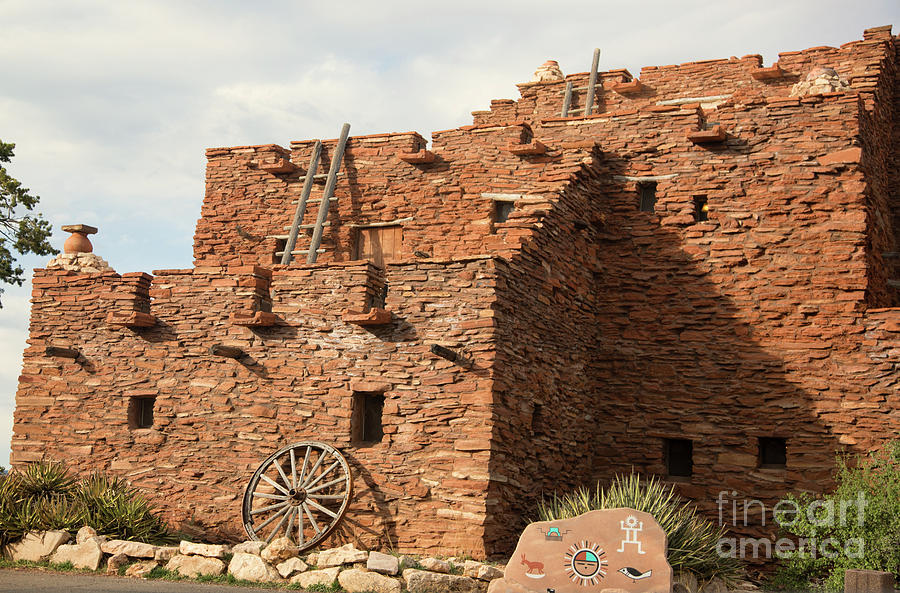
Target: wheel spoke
x=293, y=470
x=280, y=524
x=319, y=461
x=325, y=485
x=272, y=496
x=316, y=505
x=277, y=465
x=273, y=483
x=300, y=528
x=270, y=519
x=311, y=518
x=323, y=474
x=305, y=460
x=341, y=496
x=269, y=508
x=290, y=523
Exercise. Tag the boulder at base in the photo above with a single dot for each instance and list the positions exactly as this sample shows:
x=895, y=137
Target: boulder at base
x=620, y=549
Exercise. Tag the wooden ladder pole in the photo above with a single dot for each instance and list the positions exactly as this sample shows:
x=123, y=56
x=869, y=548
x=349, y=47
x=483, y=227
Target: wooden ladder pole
x=567, y=102
x=326, y=198
x=301, y=205
x=589, y=102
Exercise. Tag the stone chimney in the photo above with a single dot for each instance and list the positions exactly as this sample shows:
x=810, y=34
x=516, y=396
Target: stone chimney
x=548, y=72
x=78, y=253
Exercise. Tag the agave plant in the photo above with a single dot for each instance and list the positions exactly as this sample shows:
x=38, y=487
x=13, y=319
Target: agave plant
x=45, y=496
x=692, y=539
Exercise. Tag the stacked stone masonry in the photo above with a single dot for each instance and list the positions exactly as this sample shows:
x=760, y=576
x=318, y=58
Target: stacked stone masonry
x=596, y=330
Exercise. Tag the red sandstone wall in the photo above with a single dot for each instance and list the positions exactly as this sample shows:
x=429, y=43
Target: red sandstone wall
x=216, y=419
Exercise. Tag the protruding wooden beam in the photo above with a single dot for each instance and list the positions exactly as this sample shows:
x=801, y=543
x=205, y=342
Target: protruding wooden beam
x=62, y=352
x=226, y=351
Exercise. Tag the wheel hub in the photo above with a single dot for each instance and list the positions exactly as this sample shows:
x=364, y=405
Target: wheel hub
x=297, y=496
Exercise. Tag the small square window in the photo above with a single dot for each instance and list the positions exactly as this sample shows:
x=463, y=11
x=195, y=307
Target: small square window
x=140, y=412
x=772, y=453
x=679, y=457
x=280, y=246
x=365, y=421
x=537, y=420
x=502, y=210
x=701, y=209
x=648, y=197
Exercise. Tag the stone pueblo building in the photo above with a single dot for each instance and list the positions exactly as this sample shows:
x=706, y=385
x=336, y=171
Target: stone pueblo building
x=696, y=277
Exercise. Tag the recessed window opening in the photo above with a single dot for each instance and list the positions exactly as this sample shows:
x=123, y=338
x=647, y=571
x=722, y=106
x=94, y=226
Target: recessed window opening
x=140, y=412
x=537, y=419
x=280, y=246
x=772, y=452
x=679, y=457
x=648, y=197
x=366, y=422
x=502, y=210
x=701, y=209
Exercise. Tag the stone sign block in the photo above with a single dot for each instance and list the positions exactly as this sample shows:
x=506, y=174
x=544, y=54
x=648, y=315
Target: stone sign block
x=621, y=549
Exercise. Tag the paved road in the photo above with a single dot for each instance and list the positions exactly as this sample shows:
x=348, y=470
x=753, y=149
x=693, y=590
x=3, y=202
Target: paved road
x=22, y=581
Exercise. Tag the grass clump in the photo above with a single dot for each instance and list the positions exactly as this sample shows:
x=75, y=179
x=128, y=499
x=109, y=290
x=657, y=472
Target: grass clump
x=692, y=539
x=46, y=496
x=855, y=527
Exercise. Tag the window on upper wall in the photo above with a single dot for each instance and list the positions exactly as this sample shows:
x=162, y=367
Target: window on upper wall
x=280, y=246
x=379, y=244
x=772, y=453
x=366, y=426
x=678, y=455
x=140, y=412
x=648, y=196
x=502, y=210
x=701, y=209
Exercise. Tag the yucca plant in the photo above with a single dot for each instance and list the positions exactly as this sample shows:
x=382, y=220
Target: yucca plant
x=45, y=496
x=692, y=539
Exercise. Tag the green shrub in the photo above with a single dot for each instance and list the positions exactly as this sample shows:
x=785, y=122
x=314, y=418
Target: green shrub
x=865, y=536
x=45, y=496
x=692, y=539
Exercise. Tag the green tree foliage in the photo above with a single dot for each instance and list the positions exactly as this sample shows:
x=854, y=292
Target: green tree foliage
x=20, y=231
x=855, y=527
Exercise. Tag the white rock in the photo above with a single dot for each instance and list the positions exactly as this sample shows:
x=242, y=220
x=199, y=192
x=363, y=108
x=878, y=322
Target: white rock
x=313, y=559
x=249, y=547
x=346, y=554
x=165, y=553
x=87, y=555
x=279, y=550
x=195, y=566
x=37, y=545
x=250, y=567
x=291, y=566
x=208, y=550
x=316, y=577
x=360, y=581
x=435, y=565
x=85, y=533
x=115, y=562
x=383, y=563
x=131, y=549
x=423, y=581
x=140, y=570
x=486, y=572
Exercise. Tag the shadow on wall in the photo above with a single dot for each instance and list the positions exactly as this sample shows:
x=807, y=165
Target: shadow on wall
x=679, y=346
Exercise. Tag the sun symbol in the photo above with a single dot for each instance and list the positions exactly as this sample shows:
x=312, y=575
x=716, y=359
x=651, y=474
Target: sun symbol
x=631, y=521
x=585, y=563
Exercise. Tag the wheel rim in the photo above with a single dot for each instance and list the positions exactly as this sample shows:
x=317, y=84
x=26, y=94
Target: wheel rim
x=301, y=491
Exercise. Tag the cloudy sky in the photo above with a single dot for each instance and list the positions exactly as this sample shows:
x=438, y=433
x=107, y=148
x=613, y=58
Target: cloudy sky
x=111, y=104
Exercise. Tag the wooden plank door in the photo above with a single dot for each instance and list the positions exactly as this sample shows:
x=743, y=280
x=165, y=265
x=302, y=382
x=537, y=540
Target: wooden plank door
x=379, y=244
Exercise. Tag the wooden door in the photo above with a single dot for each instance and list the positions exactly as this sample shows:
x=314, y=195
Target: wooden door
x=379, y=244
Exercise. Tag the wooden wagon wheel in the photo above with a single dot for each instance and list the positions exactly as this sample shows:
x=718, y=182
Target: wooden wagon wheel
x=301, y=491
